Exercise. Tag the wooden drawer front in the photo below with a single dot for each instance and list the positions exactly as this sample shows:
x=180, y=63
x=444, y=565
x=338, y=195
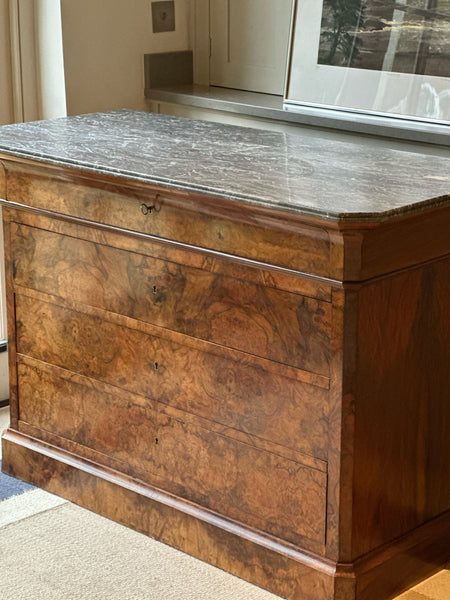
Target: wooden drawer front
x=177, y=217
x=236, y=391
x=281, y=326
x=172, y=450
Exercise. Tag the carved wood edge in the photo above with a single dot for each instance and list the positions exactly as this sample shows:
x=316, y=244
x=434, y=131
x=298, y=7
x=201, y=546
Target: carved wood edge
x=2, y=181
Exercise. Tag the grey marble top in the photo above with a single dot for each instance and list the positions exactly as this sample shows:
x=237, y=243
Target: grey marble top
x=334, y=180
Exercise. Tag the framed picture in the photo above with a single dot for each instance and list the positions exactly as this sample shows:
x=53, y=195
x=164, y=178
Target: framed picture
x=382, y=57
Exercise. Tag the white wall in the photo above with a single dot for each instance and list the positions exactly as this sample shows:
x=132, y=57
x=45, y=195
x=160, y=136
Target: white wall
x=104, y=45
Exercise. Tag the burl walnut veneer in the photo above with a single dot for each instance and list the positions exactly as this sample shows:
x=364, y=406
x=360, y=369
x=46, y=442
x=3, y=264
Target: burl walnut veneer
x=228, y=360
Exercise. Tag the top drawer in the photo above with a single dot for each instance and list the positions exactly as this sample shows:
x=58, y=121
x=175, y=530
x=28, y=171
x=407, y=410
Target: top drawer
x=175, y=215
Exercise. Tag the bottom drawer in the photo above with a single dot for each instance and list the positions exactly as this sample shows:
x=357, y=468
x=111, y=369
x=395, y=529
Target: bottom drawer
x=176, y=451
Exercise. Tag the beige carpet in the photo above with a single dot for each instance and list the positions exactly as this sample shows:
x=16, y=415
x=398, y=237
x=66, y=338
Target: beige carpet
x=68, y=553
x=53, y=550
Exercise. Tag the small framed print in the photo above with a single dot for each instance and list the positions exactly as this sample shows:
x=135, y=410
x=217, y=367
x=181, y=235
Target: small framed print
x=382, y=57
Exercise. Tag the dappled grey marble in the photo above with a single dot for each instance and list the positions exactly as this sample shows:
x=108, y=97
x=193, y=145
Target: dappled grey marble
x=308, y=175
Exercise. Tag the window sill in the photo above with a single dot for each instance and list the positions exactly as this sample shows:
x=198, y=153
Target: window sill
x=272, y=107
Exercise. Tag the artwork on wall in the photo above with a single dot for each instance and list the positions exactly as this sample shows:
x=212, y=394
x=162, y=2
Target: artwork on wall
x=389, y=57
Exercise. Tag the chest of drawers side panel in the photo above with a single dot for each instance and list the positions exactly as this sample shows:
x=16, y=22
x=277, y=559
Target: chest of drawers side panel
x=402, y=408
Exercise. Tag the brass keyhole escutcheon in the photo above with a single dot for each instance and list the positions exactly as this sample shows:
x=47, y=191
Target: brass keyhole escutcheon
x=146, y=209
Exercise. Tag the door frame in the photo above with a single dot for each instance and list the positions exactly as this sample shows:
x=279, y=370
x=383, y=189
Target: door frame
x=200, y=28
x=201, y=41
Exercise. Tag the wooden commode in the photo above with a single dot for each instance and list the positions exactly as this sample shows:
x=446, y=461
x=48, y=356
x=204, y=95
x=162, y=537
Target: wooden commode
x=236, y=342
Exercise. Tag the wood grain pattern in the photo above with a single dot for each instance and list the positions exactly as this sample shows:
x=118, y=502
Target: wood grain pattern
x=392, y=569
x=255, y=319
x=253, y=271
x=363, y=251
x=395, y=245
x=341, y=428
x=277, y=567
x=402, y=409
x=2, y=181
x=11, y=321
x=288, y=426
x=175, y=216
x=176, y=452
x=291, y=573
x=233, y=391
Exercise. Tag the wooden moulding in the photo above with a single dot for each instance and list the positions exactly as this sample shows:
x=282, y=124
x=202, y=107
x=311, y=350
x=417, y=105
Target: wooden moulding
x=265, y=561
x=2, y=181
x=410, y=558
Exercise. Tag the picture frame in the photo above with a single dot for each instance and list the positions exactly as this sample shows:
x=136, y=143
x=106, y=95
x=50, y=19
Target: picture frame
x=368, y=73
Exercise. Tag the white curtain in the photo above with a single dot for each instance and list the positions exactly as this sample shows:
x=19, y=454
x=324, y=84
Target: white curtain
x=6, y=92
x=31, y=60
x=31, y=79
